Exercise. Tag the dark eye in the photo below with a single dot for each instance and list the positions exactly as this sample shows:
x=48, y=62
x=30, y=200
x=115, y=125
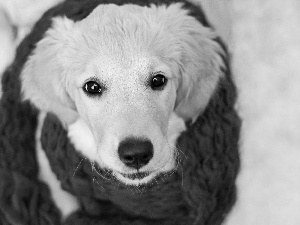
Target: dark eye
x=92, y=87
x=158, y=82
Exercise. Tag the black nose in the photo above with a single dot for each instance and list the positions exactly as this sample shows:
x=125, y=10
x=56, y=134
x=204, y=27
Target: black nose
x=135, y=152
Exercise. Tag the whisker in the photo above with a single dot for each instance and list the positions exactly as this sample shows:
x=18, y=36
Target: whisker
x=173, y=171
x=131, y=190
x=94, y=182
x=94, y=178
x=101, y=174
x=92, y=165
x=117, y=187
x=136, y=189
x=78, y=166
x=178, y=161
x=157, y=183
x=181, y=176
x=182, y=152
x=107, y=173
x=99, y=183
x=177, y=150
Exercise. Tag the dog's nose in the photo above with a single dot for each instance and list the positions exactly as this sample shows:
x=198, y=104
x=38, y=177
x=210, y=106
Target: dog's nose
x=135, y=153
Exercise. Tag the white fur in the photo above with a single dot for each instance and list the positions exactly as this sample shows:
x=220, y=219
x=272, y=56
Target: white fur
x=83, y=140
x=122, y=47
x=65, y=202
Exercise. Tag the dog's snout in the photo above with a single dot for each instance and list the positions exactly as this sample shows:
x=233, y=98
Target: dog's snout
x=135, y=153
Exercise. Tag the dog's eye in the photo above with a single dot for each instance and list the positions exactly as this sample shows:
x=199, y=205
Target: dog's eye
x=158, y=82
x=92, y=87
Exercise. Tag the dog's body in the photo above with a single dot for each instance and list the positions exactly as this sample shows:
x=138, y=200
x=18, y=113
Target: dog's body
x=123, y=81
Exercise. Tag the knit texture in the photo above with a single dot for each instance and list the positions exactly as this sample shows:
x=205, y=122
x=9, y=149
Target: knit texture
x=201, y=191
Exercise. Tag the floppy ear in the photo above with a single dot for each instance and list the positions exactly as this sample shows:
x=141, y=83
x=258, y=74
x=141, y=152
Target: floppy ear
x=200, y=65
x=43, y=78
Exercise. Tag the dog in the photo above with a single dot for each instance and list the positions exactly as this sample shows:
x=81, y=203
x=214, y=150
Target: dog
x=123, y=81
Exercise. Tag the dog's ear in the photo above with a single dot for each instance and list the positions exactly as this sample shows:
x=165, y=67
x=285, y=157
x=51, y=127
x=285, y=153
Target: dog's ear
x=43, y=78
x=200, y=64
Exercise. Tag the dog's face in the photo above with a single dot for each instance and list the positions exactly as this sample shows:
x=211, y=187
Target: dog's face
x=132, y=75
x=127, y=99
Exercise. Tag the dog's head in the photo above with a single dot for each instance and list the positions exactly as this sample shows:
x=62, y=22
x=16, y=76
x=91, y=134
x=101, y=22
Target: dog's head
x=132, y=75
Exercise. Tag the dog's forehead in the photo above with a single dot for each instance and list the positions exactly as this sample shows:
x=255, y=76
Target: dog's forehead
x=116, y=67
x=131, y=44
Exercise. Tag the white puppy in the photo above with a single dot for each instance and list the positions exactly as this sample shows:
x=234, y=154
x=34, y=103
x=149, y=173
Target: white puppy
x=123, y=78
x=123, y=81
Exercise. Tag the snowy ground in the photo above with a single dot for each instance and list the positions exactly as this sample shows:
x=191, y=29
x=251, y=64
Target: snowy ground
x=265, y=45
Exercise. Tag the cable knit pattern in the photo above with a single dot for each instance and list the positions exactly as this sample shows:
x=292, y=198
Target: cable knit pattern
x=200, y=192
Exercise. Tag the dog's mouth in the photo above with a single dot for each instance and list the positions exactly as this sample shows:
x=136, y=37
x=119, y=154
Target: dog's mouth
x=138, y=178
x=142, y=178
